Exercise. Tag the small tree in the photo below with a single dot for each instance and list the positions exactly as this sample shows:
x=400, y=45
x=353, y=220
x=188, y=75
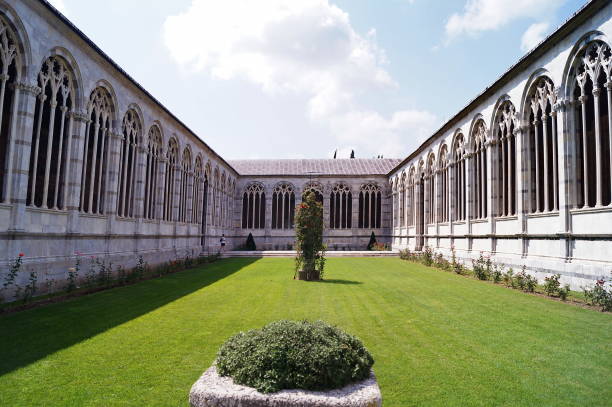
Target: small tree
x=372, y=241
x=250, y=243
x=310, y=250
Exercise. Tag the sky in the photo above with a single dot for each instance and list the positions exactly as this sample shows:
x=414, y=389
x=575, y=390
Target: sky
x=304, y=78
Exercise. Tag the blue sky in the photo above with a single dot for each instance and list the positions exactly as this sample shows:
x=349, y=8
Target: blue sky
x=302, y=78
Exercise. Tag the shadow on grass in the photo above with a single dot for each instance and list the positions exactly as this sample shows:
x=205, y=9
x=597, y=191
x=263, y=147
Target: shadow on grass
x=31, y=335
x=338, y=281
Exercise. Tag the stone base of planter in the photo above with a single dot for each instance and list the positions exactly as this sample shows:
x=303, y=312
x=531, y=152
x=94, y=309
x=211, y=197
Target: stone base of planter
x=212, y=390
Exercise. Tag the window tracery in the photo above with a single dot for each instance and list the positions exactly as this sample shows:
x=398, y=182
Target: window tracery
x=51, y=141
x=96, y=153
x=169, y=180
x=128, y=164
x=154, y=154
x=370, y=206
x=459, y=178
x=593, y=136
x=283, y=206
x=9, y=59
x=340, y=207
x=479, y=174
x=254, y=207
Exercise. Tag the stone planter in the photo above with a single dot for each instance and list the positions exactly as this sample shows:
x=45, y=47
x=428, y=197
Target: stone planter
x=212, y=390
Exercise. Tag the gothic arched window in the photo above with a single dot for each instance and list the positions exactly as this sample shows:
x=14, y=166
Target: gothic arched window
x=51, y=141
x=479, y=173
x=410, y=197
x=254, y=207
x=96, y=154
x=370, y=206
x=283, y=206
x=316, y=189
x=9, y=60
x=127, y=164
x=430, y=189
x=184, y=175
x=459, y=178
x=443, y=185
x=505, y=125
x=198, y=180
x=340, y=207
x=592, y=72
x=154, y=154
x=402, y=200
x=215, y=198
x=169, y=179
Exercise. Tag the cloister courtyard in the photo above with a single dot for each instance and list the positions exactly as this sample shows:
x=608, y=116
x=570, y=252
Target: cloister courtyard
x=437, y=338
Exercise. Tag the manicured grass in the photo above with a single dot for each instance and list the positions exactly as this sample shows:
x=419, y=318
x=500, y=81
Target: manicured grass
x=437, y=338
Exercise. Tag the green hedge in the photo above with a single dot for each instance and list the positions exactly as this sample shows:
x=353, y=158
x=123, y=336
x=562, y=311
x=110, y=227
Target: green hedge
x=294, y=355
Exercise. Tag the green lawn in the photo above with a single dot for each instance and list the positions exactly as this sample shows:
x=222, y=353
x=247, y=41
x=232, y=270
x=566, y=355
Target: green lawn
x=437, y=338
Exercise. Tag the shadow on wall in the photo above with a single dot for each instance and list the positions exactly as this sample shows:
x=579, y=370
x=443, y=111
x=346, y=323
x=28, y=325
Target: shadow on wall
x=33, y=334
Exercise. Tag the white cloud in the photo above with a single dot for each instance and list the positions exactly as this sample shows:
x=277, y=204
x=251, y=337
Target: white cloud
x=302, y=47
x=533, y=35
x=484, y=15
x=393, y=136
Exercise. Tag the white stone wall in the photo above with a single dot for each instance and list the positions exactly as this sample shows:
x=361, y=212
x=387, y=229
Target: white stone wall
x=575, y=242
x=49, y=238
x=354, y=238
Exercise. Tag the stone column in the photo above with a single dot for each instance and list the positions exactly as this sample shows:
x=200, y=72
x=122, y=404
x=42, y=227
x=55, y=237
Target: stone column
x=490, y=147
x=268, y=231
x=355, y=217
x=139, y=193
x=77, y=140
x=21, y=125
x=522, y=168
x=469, y=195
x=110, y=189
x=160, y=195
x=566, y=167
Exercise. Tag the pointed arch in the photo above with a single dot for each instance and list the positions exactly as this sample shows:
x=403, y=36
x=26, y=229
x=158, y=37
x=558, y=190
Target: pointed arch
x=96, y=154
x=505, y=125
x=443, y=207
x=541, y=146
x=283, y=205
x=13, y=65
x=131, y=129
x=198, y=180
x=458, y=170
x=171, y=159
x=254, y=206
x=154, y=147
x=430, y=188
x=51, y=135
x=370, y=206
x=340, y=207
x=479, y=178
x=589, y=79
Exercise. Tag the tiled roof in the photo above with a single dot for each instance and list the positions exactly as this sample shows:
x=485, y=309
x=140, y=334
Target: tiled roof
x=297, y=167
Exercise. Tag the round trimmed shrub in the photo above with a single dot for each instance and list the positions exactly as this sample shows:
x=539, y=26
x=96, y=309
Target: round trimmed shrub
x=294, y=355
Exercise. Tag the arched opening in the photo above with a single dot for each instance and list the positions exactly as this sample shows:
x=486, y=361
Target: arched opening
x=592, y=131
x=370, y=206
x=51, y=141
x=128, y=164
x=283, y=206
x=254, y=207
x=96, y=154
x=340, y=207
